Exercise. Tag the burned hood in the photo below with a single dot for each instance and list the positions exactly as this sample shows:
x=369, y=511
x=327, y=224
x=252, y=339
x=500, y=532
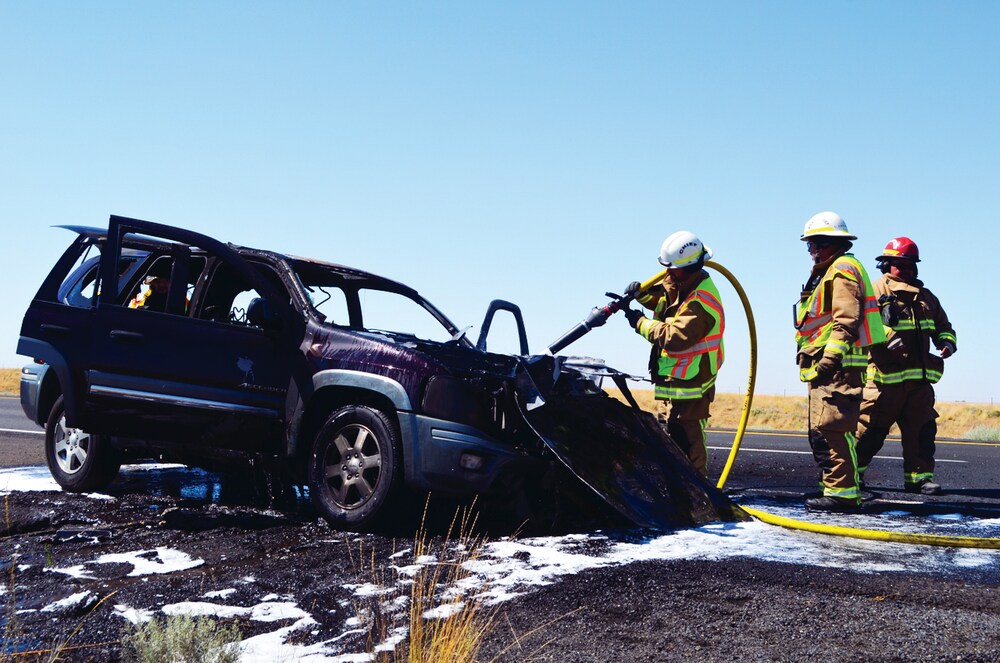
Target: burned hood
x=620, y=452
x=409, y=360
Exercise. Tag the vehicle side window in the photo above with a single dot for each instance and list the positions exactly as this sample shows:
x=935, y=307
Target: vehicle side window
x=81, y=293
x=331, y=302
x=83, y=283
x=390, y=311
x=150, y=293
x=228, y=295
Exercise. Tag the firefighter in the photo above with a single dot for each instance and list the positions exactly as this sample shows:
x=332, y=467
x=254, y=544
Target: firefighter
x=686, y=337
x=154, y=294
x=901, y=375
x=836, y=320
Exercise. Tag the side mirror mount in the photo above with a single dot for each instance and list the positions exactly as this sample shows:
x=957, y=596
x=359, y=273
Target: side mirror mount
x=501, y=305
x=261, y=314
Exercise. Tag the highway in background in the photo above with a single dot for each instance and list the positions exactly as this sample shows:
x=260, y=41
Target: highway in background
x=778, y=463
x=21, y=440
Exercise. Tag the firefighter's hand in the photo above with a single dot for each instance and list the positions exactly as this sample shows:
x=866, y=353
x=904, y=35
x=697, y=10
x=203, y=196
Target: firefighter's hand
x=633, y=316
x=632, y=289
x=948, y=349
x=827, y=366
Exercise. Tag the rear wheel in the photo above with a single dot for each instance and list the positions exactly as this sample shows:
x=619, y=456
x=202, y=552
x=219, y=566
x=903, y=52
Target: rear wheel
x=78, y=461
x=354, y=467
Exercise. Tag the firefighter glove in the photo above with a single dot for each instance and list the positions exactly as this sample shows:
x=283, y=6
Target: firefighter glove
x=632, y=289
x=827, y=366
x=633, y=316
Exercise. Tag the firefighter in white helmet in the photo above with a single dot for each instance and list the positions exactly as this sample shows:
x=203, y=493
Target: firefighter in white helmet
x=836, y=320
x=686, y=337
x=902, y=374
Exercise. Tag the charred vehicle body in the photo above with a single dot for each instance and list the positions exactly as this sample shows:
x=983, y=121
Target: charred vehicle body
x=152, y=341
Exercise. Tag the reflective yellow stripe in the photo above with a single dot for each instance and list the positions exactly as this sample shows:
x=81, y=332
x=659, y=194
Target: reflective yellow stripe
x=908, y=325
x=917, y=477
x=846, y=493
x=896, y=377
x=679, y=392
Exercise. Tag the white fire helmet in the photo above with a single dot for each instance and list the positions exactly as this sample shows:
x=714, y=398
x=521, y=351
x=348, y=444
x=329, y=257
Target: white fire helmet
x=826, y=224
x=683, y=249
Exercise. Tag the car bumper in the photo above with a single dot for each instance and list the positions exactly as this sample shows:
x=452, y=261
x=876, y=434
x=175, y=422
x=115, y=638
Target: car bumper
x=445, y=456
x=31, y=388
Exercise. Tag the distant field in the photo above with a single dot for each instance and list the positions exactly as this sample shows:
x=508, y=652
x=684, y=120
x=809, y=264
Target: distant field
x=788, y=413
x=958, y=420
x=10, y=379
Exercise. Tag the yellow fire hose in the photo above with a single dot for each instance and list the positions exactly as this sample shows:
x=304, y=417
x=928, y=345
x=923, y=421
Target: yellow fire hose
x=792, y=523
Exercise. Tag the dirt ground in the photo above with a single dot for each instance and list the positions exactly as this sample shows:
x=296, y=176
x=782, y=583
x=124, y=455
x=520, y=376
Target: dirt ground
x=737, y=610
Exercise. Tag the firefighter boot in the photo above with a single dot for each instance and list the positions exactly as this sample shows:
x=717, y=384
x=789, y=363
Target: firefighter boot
x=835, y=504
x=923, y=487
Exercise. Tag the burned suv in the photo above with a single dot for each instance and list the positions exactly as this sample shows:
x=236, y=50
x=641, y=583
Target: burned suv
x=152, y=341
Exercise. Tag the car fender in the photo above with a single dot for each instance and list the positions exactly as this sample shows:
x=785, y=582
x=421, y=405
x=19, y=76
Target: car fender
x=333, y=388
x=367, y=381
x=40, y=350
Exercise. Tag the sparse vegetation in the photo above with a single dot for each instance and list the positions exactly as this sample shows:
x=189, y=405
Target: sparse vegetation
x=984, y=434
x=10, y=381
x=181, y=638
x=444, y=624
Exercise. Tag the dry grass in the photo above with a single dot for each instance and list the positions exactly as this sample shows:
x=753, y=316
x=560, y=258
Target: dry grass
x=788, y=413
x=10, y=381
x=445, y=624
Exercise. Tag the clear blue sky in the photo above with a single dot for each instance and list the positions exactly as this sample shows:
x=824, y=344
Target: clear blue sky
x=535, y=152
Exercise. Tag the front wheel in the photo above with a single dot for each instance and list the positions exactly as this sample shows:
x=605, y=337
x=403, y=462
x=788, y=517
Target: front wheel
x=78, y=461
x=354, y=467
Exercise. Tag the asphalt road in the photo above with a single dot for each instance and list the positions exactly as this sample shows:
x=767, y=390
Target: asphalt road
x=779, y=463
x=21, y=440
x=782, y=464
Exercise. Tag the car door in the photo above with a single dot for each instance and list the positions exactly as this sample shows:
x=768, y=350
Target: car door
x=182, y=374
x=56, y=329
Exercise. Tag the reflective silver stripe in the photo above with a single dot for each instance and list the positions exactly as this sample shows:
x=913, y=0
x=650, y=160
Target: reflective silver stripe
x=182, y=401
x=812, y=323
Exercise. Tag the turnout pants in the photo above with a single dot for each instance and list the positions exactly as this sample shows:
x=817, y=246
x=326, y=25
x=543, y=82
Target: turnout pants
x=910, y=404
x=834, y=410
x=684, y=420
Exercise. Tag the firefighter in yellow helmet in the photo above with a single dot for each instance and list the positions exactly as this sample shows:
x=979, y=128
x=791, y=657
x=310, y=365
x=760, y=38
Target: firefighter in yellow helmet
x=686, y=337
x=901, y=375
x=836, y=320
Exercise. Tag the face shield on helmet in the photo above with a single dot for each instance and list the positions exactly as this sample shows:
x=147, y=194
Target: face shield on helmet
x=683, y=249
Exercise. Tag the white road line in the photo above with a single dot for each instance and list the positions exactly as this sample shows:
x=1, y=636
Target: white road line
x=809, y=453
x=14, y=430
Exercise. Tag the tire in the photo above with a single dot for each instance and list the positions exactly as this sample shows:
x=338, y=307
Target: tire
x=79, y=462
x=354, y=467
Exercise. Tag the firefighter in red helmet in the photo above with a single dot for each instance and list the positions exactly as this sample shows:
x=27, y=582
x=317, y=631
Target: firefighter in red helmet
x=901, y=374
